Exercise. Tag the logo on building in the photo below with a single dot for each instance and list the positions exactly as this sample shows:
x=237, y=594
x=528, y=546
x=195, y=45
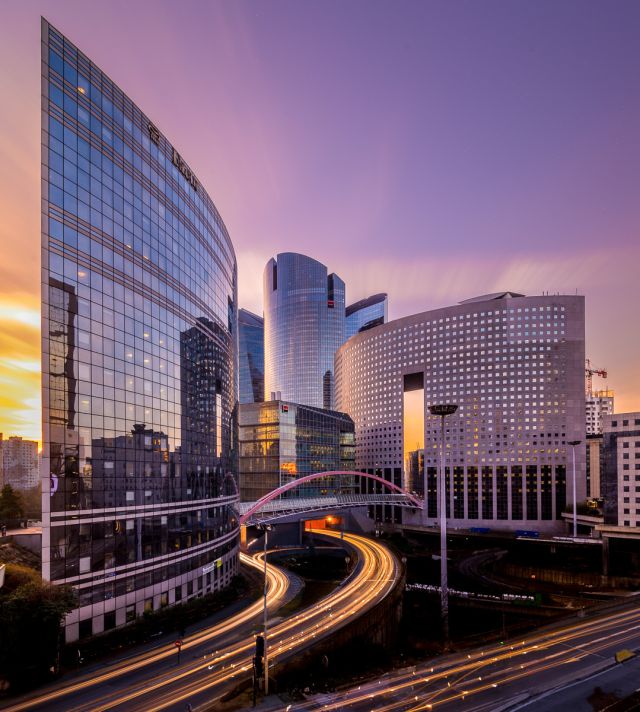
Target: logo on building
x=185, y=170
x=154, y=134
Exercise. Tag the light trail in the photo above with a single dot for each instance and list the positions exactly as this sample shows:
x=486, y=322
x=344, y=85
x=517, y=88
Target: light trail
x=375, y=579
x=458, y=675
x=549, y=662
x=278, y=584
x=509, y=674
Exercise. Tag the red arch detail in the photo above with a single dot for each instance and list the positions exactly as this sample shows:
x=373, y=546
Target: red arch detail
x=317, y=475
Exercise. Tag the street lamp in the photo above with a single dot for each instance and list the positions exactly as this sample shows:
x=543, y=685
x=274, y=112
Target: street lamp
x=266, y=528
x=443, y=410
x=573, y=444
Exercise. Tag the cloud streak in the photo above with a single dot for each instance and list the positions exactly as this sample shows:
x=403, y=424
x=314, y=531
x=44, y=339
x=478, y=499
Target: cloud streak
x=437, y=152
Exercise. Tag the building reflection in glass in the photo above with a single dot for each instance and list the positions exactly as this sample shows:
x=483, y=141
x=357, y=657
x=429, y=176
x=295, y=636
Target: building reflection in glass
x=413, y=412
x=139, y=339
x=281, y=442
x=414, y=471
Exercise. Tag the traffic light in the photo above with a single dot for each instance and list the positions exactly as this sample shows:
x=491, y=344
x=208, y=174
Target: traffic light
x=258, y=666
x=258, y=660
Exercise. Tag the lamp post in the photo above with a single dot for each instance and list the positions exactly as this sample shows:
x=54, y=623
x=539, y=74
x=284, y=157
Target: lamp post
x=573, y=444
x=443, y=410
x=266, y=528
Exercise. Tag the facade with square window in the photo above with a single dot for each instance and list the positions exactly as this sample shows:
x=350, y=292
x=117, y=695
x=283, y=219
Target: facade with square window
x=620, y=474
x=139, y=371
x=514, y=365
x=598, y=405
x=19, y=463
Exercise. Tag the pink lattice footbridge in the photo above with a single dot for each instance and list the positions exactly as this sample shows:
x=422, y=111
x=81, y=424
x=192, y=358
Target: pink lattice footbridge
x=397, y=496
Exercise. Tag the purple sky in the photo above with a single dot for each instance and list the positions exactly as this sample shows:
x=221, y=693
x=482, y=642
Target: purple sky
x=433, y=150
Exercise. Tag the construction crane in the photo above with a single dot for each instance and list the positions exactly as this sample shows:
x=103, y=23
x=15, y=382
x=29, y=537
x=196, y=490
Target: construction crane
x=590, y=371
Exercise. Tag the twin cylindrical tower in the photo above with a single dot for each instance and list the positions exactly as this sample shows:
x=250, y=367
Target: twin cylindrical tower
x=304, y=325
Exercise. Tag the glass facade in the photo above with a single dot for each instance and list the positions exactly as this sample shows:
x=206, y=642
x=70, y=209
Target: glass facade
x=139, y=329
x=251, y=357
x=365, y=314
x=304, y=325
x=280, y=442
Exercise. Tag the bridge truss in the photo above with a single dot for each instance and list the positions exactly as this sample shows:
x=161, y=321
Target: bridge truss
x=275, y=506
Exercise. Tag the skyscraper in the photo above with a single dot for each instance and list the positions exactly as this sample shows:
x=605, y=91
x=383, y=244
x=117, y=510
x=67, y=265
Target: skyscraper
x=514, y=365
x=598, y=404
x=365, y=314
x=251, y=356
x=304, y=324
x=139, y=319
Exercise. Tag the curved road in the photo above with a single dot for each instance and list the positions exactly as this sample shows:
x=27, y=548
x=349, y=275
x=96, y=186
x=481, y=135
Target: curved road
x=203, y=682
x=203, y=679
x=82, y=687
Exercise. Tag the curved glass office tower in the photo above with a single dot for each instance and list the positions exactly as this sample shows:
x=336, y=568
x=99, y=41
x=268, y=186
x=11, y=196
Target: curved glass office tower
x=304, y=325
x=251, y=356
x=365, y=314
x=139, y=350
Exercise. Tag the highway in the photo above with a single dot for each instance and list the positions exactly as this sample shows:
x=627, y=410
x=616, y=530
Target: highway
x=203, y=677
x=505, y=677
x=81, y=687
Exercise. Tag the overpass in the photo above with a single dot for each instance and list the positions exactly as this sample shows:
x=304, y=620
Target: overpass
x=274, y=506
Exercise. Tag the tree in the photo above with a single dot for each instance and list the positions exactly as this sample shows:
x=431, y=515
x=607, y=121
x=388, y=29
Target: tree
x=30, y=620
x=32, y=499
x=17, y=575
x=11, y=506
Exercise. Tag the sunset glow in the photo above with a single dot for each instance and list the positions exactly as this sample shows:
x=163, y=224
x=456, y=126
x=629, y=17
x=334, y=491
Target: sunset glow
x=521, y=181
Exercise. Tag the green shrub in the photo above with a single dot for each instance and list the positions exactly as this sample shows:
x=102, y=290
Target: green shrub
x=17, y=575
x=30, y=620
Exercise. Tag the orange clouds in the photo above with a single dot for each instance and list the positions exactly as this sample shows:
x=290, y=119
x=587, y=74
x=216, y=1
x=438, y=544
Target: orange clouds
x=20, y=366
x=20, y=232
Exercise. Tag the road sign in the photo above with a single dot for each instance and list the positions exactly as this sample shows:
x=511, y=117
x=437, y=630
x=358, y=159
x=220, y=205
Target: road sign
x=178, y=643
x=623, y=655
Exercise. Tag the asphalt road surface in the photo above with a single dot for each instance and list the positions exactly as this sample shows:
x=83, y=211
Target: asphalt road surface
x=501, y=677
x=214, y=661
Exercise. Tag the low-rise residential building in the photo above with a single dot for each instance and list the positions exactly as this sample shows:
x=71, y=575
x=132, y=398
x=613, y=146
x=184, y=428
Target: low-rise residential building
x=19, y=463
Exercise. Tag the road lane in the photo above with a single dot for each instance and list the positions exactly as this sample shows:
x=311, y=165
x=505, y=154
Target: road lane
x=208, y=681
x=495, y=676
x=278, y=585
x=150, y=682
